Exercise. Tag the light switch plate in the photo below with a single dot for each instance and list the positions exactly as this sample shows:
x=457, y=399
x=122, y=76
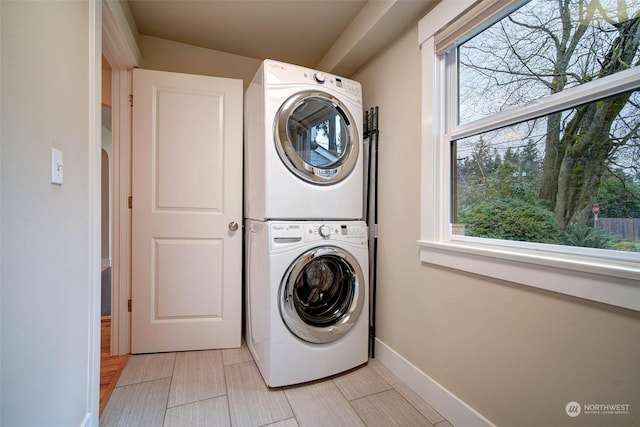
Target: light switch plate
x=57, y=166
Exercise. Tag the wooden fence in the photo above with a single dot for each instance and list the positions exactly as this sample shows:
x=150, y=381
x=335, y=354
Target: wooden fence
x=627, y=228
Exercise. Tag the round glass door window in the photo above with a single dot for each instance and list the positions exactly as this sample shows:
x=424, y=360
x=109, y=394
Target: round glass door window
x=322, y=294
x=316, y=138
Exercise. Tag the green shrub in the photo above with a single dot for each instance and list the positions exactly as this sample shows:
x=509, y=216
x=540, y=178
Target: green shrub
x=511, y=219
x=625, y=245
x=589, y=237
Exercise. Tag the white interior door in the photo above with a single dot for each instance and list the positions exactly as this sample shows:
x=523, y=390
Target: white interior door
x=187, y=212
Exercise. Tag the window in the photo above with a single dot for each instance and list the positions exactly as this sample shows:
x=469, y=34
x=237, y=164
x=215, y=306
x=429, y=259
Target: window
x=533, y=137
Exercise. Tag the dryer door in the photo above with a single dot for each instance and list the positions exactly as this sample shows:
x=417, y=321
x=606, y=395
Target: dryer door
x=316, y=137
x=322, y=294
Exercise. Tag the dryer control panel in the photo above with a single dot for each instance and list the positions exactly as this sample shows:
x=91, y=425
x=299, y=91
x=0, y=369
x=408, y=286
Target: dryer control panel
x=279, y=73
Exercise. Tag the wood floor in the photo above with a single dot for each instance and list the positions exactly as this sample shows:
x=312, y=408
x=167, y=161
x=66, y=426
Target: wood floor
x=110, y=366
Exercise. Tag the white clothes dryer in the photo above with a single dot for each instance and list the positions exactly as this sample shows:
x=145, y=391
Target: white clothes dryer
x=303, y=145
x=307, y=303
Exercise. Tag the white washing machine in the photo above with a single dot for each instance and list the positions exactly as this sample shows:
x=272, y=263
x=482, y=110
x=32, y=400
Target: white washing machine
x=303, y=145
x=307, y=302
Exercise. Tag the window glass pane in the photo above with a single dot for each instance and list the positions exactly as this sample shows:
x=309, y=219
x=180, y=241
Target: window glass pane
x=545, y=47
x=538, y=181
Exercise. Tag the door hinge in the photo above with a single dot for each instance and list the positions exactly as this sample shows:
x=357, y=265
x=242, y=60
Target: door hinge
x=131, y=99
x=129, y=306
x=130, y=202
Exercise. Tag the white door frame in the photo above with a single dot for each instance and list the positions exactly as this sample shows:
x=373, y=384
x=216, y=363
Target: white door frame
x=122, y=53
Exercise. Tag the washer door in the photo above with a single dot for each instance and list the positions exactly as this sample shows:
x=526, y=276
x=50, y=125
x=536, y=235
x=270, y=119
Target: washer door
x=316, y=137
x=322, y=294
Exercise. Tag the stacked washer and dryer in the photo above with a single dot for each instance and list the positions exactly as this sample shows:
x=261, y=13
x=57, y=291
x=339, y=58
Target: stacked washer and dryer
x=306, y=252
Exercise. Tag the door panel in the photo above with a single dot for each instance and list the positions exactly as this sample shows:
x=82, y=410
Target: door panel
x=187, y=188
x=190, y=293
x=180, y=173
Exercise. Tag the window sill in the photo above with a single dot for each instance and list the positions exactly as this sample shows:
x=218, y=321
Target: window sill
x=611, y=282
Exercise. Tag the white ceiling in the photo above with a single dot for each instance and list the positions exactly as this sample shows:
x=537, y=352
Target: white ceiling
x=332, y=35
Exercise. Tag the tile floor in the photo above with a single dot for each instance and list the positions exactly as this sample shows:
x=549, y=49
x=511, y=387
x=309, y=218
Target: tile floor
x=224, y=388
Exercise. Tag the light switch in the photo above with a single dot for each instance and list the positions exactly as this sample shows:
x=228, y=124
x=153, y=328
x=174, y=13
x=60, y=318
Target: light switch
x=56, y=166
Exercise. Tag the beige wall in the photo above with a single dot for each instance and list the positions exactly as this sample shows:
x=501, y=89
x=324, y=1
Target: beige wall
x=165, y=55
x=515, y=354
x=48, y=240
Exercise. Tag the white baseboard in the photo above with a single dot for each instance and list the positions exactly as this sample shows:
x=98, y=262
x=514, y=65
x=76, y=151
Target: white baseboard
x=442, y=400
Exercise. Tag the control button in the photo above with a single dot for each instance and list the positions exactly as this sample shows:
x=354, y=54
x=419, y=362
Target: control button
x=320, y=77
x=324, y=231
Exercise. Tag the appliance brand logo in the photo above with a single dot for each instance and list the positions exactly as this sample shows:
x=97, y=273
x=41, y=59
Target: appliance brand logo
x=286, y=227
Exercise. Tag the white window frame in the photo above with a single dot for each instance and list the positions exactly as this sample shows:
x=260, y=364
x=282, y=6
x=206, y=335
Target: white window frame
x=611, y=277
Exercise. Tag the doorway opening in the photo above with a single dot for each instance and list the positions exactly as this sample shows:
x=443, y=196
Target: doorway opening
x=110, y=366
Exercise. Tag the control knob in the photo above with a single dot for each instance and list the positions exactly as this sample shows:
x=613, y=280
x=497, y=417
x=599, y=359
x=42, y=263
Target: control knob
x=324, y=231
x=320, y=77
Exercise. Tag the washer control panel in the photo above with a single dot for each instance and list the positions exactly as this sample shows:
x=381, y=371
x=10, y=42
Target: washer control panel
x=344, y=232
x=287, y=233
